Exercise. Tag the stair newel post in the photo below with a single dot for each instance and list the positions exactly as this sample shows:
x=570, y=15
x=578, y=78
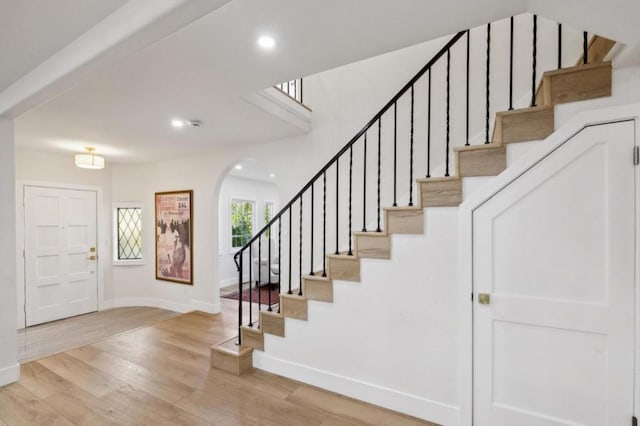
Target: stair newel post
x=269, y=266
x=324, y=223
x=240, y=299
x=429, y=123
x=379, y=154
x=259, y=274
x=511, y=64
x=337, y=200
x=364, y=186
x=411, y=151
x=448, y=110
x=312, y=228
x=300, y=254
x=250, y=287
x=395, y=151
x=488, y=81
x=585, y=49
x=467, y=100
x=279, y=257
x=290, y=256
x=559, y=46
x=350, y=253
x=535, y=54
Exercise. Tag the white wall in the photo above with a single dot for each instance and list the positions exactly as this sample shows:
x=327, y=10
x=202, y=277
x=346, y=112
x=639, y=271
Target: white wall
x=239, y=188
x=9, y=369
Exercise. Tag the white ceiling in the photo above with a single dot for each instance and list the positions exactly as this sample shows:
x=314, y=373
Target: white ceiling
x=254, y=170
x=202, y=70
x=33, y=30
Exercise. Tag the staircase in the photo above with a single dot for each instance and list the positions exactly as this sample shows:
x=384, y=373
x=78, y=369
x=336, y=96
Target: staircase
x=590, y=78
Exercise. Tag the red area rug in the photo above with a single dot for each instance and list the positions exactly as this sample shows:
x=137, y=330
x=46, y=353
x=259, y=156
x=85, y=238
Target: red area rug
x=261, y=295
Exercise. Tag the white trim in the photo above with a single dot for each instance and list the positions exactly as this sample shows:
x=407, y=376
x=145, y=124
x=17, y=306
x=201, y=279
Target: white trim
x=228, y=282
x=196, y=305
x=403, y=402
x=114, y=237
x=100, y=221
x=465, y=281
x=9, y=374
x=280, y=105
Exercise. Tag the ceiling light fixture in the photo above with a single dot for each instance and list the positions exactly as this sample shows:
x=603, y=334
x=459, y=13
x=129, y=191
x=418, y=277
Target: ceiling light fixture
x=179, y=124
x=266, y=42
x=238, y=167
x=272, y=176
x=89, y=160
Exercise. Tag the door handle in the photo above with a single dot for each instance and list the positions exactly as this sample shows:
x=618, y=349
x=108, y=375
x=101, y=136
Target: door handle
x=484, y=298
x=92, y=257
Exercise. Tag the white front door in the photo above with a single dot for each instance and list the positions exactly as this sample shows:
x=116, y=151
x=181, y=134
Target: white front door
x=60, y=253
x=555, y=253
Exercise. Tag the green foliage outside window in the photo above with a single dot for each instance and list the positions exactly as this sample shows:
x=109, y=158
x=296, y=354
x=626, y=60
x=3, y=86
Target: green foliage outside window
x=241, y=222
x=268, y=215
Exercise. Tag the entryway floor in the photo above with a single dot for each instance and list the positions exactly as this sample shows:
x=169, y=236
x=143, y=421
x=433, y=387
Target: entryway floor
x=58, y=336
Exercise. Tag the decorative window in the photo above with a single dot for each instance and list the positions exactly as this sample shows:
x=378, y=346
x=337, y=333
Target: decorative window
x=269, y=211
x=242, y=222
x=127, y=234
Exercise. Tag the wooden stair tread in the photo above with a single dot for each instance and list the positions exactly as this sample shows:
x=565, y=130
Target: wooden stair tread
x=294, y=295
x=577, y=68
x=438, y=179
x=317, y=277
x=229, y=347
x=343, y=256
x=274, y=314
x=401, y=208
x=469, y=148
x=524, y=110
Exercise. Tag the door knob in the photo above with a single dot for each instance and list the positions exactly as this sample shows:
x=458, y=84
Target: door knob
x=484, y=298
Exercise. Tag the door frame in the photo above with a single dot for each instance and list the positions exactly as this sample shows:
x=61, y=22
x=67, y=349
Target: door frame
x=465, y=238
x=103, y=252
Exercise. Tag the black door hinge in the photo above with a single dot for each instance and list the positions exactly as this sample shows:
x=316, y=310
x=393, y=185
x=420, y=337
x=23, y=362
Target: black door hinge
x=636, y=155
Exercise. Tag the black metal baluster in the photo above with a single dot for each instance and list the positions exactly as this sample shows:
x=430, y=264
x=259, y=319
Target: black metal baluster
x=559, y=46
x=240, y=299
x=300, y=270
x=337, y=199
x=585, y=49
x=250, y=286
x=350, y=252
x=486, y=127
x=312, y=228
x=379, y=154
x=535, y=54
x=468, y=62
x=259, y=274
x=429, y=126
x=511, y=64
x=411, y=153
x=269, y=266
x=324, y=223
x=446, y=174
x=364, y=186
x=290, y=256
x=395, y=151
x=279, y=258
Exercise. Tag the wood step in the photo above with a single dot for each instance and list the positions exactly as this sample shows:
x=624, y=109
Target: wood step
x=272, y=323
x=344, y=267
x=294, y=306
x=441, y=192
x=373, y=245
x=317, y=287
x=252, y=337
x=481, y=160
x=599, y=48
x=232, y=358
x=526, y=124
x=577, y=83
x=404, y=220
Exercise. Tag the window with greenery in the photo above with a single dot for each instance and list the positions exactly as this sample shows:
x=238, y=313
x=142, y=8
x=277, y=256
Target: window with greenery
x=128, y=234
x=269, y=210
x=242, y=220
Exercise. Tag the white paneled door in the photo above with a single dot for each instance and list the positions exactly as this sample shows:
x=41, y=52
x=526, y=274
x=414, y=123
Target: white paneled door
x=60, y=253
x=554, y=289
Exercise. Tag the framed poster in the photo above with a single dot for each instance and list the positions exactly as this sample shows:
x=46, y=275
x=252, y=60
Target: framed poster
x=174, y=236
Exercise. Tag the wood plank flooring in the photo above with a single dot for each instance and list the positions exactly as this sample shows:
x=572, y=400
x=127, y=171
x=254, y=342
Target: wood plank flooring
x=59, y=336
x=160, y=375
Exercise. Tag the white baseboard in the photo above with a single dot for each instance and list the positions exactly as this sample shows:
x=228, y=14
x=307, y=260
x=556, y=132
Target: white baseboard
x=210, y=308
x=394, y=400
x=9, y=374
x=229, y=282
x=196, y=305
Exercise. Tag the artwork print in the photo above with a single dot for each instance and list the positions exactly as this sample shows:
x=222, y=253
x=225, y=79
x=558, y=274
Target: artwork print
x=174, y=236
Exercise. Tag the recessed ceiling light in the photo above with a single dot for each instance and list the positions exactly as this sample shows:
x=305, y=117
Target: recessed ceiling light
x=272, y=175
x=178, y=124
x=266, y=42
x=238, y=167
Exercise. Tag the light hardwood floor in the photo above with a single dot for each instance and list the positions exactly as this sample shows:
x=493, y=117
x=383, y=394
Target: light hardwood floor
x=160, y=375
